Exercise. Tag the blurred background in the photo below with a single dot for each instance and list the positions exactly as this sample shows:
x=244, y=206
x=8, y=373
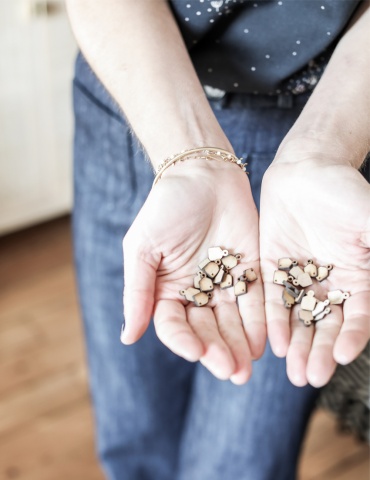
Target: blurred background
x=46, y=422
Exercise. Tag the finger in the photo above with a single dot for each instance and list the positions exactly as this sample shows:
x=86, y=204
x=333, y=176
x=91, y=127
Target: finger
x=298, y=351
x=175, y=332
x=252, y=311
x=138, y=295
x=231, y=329
x=321, y=364
x=217, y=357
x=354, y=333
x=277, y=319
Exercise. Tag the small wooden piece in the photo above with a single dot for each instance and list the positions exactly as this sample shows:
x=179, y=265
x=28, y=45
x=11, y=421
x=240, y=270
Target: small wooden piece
x=189, y=293
x=292, y=289
x=250, y=275
x=240, y=288
x=311, y=269
x=216, y=253
x=280, y=276
x=220, y=276
x=198, y=278
x=323, y=272
x=320, y=307
x=304, y=280
x=230, y=261
x=337, y=297
x=306, y=317
x=206, y=284
x=201, y=299
x=323, y=314
x=204, y=263
x=227, y=281
x=211, y=269
x=286, y=263
x=309, y=301
x=296, y=271
x=288, y=299
x=300, y=296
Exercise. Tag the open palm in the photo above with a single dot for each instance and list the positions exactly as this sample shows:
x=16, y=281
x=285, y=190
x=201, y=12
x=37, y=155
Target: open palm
x=312, y=209
x=192, y=208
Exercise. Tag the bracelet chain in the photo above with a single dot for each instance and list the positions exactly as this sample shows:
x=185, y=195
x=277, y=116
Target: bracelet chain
x=205, y=153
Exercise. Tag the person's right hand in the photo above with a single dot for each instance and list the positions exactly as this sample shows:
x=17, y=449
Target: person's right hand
x=197, y=204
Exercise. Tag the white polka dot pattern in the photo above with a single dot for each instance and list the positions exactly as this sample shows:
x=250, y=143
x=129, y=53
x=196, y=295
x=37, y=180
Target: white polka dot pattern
x=261, y=47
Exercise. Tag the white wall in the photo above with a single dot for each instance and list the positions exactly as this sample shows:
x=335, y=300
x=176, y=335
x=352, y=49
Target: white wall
x=37, y=50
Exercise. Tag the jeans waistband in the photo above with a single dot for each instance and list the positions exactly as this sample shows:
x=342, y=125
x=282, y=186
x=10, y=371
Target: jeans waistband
x=221, y=99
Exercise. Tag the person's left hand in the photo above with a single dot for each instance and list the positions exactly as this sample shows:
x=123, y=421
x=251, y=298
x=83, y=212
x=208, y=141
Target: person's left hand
x=313, y=206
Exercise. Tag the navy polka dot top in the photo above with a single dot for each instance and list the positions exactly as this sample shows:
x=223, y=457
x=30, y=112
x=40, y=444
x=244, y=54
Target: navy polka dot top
x=261, y=46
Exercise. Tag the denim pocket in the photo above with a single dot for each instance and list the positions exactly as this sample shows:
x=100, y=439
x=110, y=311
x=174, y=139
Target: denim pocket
x=103, y=150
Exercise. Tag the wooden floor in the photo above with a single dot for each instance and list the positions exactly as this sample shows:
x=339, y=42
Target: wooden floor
x=46, y=430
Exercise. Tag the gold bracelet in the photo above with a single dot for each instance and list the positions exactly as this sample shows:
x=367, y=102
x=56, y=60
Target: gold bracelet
x=205, y=153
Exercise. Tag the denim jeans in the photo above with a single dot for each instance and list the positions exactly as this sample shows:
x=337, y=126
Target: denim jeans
x=157, y=416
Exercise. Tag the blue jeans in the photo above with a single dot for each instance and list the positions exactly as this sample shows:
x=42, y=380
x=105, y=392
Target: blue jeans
x=157, y=416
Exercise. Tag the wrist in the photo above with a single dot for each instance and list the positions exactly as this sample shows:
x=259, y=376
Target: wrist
x=319, y=145
x=194, y=125
x=334, y=127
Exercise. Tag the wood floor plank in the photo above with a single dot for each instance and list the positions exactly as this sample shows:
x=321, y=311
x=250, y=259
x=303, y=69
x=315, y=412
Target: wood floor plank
x=325, y=447
x=40, y=398
x=33, y=252
x=357, y=468
x=46, y=360
x=38, y=314
x=53, y=447
x=43, y=290
x=29, y=334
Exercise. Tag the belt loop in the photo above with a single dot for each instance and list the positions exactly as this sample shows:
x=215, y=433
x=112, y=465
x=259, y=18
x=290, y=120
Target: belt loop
x=220, y=103
x=218, y=97
x=285, y=100
x=224, y=101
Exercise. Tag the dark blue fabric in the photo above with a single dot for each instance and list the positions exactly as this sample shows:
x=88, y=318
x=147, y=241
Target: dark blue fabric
x=258, y=45
x=159, y=417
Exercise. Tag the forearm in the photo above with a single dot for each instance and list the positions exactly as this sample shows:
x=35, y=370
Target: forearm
x=338, y=112
x=136, y=49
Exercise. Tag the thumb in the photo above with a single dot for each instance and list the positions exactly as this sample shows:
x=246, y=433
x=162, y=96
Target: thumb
x=140, y=271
